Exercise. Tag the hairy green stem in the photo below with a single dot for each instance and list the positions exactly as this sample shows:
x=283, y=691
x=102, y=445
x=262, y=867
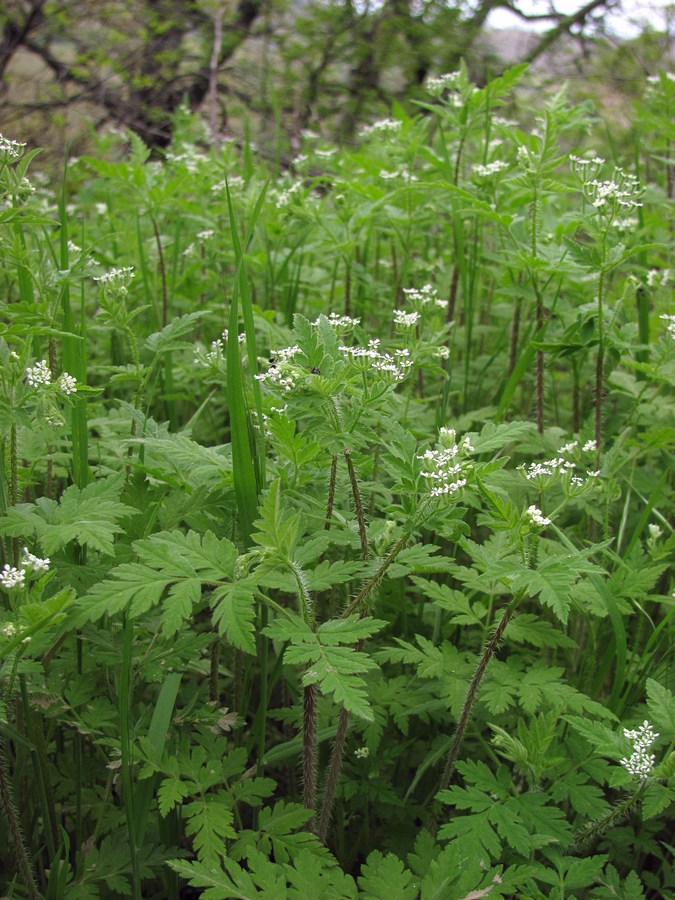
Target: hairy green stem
x=373, y=582
x=487, y=654
x=601, y=826
x=331, y=494
x=358, y=505
x=124, y=700
x=333, y=773
x=13, y=822
x=309, y=750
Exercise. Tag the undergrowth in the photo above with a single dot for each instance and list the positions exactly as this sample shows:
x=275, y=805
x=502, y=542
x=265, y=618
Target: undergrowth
x=336, y=512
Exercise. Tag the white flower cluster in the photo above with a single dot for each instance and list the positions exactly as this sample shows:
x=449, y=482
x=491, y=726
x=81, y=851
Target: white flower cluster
x=395, y=367
x=670, y=327
x=283, y=198
x=381, y=128
x=436, y=85
x=641, y=761
x=654, y=79
x=406, y=319
x=340, y=323
x=216, y=354
x=190, y=158
x=66, y=384
x=619, y=194
x=489, y=169
x=10, y=151
x=11, y=576
x=536, y=516
x=362, y=753
x=278, y=373
x=586, y=168
x=446, y=471
x=326, y=153
x=546, y=471
x=116, y=280
x=234, y=181
x=401, y=172
x=658, y=278
x=424, y=296
x=40, y=375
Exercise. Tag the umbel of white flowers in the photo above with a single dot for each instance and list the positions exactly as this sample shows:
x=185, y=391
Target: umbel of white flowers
x=641, y=762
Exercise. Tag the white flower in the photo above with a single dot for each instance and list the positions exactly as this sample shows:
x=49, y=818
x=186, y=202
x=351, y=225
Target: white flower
x=362, y=753
x=619, y=194
x=670, y=327
x=446, y=469
x=492, y=168
x=568, y=448
x=436, y=85
x=406, y=319
x=338, y=322
x=39, y=374
x=590, y=446
x=8, y=629
x=10, y=151
x=654, y=532
x=11, y=577
x=641, y=762
x=442, y=352
x=30, y=561
x=66, y=384
x=117, y=280
x=381, y=128
x=424, y=296
x=395, y=367
x=536, y=516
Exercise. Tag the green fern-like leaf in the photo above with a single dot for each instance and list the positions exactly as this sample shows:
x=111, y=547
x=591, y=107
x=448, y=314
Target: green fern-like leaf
x=384, y=876
x=329, y=657
x=174, y=568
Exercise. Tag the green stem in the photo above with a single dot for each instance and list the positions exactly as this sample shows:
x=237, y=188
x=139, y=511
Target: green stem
x=124, y=700
x=488, y=652
x=13, y=822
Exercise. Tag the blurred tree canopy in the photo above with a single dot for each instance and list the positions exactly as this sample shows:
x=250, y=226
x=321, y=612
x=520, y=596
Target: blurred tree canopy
x=294, y=63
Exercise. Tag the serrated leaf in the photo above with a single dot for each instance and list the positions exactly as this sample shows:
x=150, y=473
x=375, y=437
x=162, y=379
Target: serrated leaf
x=89, y=516
x=210, y=822
x=327, y=574
x=173, y=564
x=219, y=885
x=170, y=793
x=656, y=798
x=385, y=877
x=169, y=338
x=552, y=580
x=277, y=529
x=336, y=669
x=527, y=628
x=661, y=706
x=234, y=613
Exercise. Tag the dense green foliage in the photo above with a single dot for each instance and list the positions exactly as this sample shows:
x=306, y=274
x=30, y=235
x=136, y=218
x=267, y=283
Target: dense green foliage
x=355, y=484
